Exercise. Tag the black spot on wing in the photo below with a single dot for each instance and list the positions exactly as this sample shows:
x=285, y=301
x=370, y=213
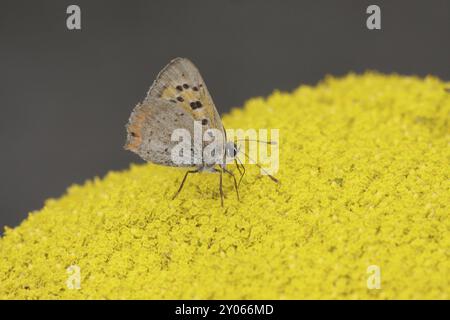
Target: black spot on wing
x=195, y=105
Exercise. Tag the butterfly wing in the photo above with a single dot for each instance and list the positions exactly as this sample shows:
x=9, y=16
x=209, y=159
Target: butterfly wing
x=177, y=98
x=180, y=82
x=150, y=129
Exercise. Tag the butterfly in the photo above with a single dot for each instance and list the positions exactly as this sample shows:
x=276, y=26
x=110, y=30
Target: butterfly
x=177, y=99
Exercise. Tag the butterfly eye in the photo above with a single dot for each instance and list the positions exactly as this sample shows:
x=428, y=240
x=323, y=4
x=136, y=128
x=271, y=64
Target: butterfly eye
x=231, y=149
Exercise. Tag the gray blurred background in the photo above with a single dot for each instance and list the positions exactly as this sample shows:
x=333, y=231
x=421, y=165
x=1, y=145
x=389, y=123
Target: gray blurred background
x=65, y=96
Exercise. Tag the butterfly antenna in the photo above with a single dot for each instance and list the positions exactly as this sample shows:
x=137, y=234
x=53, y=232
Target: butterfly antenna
x=264, y=170
x=256, y=140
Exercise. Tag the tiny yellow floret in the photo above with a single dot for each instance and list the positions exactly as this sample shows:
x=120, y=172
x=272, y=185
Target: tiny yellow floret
x=364, y=171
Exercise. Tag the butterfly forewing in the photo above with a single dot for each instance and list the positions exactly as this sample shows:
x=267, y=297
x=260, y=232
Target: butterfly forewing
x=180, y=82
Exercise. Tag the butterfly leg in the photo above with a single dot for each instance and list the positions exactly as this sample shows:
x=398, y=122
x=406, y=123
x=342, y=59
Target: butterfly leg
x=220, y=184
x=221, y=189
x=243, y=170
x=235, y=182
x=238, y=168
x=182, y=182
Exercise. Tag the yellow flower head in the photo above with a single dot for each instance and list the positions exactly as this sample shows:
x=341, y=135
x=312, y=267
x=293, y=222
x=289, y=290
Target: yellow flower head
x=364, y=171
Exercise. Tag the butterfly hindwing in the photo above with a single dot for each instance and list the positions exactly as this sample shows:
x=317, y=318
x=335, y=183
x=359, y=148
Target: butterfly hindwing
x=150, y=129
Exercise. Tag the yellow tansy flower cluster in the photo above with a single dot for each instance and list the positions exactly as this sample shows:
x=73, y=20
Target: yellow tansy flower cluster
x=364, y=171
